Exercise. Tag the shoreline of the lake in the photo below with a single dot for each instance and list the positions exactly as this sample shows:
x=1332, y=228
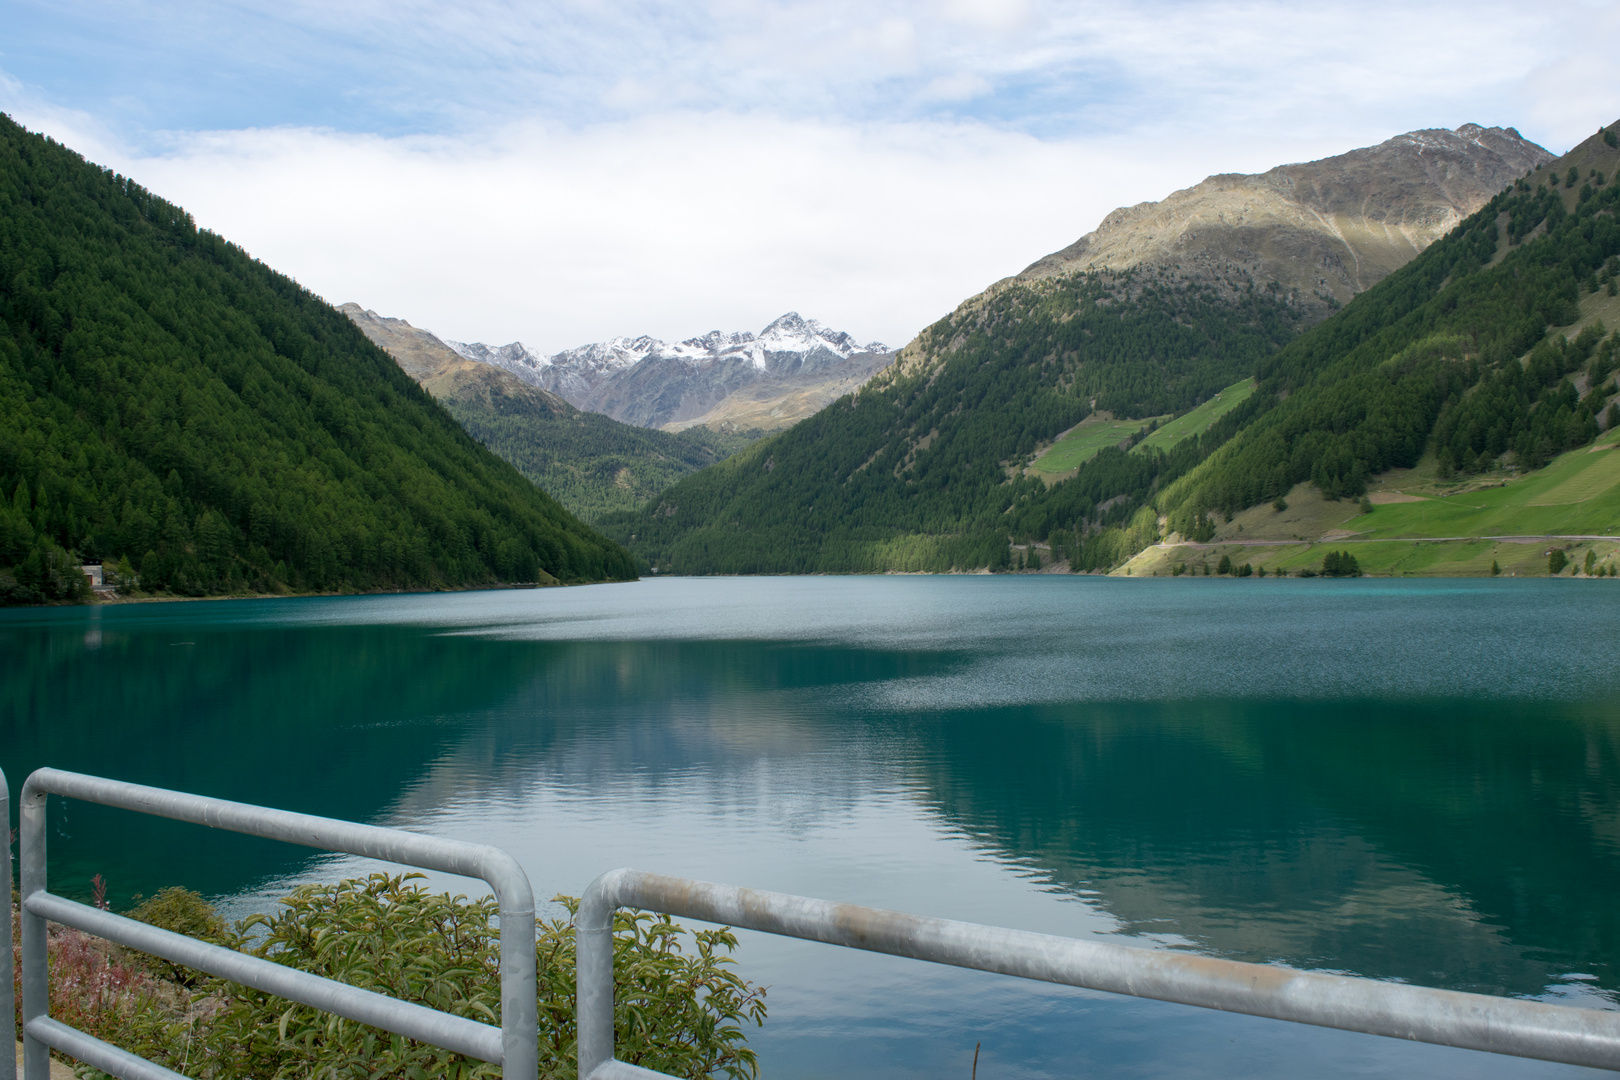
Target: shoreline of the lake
x=1122, y=574
x=114, y=601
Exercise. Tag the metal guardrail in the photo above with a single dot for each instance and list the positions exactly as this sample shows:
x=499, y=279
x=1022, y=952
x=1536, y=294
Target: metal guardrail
x=8, y=975
x=514, y=1045
x=1473, y=1021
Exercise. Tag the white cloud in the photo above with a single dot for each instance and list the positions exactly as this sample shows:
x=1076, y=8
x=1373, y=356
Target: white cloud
x=597, y=169
x=963, y=86
x=1001, y=16
x=672, y=225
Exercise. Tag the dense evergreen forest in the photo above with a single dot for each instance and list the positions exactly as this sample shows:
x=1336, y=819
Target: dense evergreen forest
x=922, y=470
x=177, y=409
x=593, y=464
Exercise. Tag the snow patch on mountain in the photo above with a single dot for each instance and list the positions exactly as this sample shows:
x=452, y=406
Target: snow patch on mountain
x=515, y=355
x=792, y=333
x=669, y=379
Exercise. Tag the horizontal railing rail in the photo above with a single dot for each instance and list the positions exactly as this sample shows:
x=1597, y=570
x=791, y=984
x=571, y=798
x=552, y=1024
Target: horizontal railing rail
x=1450, y=1018
x=514, y=1045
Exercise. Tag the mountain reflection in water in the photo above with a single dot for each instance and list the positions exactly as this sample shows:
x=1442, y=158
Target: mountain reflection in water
x=1414, y=782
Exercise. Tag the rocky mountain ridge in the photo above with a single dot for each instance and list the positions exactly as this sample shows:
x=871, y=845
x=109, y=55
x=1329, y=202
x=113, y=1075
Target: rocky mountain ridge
x=441, y=370
x=1329, y=229
x=1313, y=234
x=740, y=380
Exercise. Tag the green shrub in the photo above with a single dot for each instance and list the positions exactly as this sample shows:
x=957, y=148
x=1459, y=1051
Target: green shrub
x=680, y=1006
x=1225, y=565
x=1556, y=561
x=182, y=912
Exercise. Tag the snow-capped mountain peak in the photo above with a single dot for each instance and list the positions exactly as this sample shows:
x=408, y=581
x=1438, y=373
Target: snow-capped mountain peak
x=794, y=333
x=588, y=376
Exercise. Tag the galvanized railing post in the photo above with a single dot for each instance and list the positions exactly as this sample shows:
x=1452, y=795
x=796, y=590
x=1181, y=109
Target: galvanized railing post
x=520, y=1020
x=8, y=975
x=514, y=1046
x=593, y=982
x=35, y=987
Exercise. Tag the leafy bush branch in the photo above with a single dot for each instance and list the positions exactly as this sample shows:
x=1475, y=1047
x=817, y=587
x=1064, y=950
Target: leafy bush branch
x=681, y=1007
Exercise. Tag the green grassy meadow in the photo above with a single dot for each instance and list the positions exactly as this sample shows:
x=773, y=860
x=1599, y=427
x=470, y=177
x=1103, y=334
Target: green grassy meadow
x=1082, y=443
x=1577, y=494
x=1198, y=420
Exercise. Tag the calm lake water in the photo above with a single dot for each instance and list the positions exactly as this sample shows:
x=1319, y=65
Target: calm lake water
x=1413, y=781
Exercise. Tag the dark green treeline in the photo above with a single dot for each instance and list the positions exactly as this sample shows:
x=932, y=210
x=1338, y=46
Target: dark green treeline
x=170, y=404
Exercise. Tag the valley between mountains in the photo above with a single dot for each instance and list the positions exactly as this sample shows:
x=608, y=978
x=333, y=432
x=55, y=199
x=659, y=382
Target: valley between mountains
x=1403, y=352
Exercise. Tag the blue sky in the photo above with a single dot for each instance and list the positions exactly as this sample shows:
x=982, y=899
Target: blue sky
x=569, y=171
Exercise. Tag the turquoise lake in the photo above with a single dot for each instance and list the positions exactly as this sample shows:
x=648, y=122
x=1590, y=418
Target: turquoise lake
x=1411, y=781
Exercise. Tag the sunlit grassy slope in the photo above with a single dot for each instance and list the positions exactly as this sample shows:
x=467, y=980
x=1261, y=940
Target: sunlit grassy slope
x=1577, y=494
x=1199, y=420
x=1082, y=443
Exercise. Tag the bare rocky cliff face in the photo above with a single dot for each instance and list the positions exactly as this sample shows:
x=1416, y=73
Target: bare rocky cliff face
x=1326, y=230
x=737, y=381
x=442, y=371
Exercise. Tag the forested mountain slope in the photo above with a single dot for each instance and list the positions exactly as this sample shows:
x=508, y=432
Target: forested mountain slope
x=587, y=461
x=925, y=467
x=923, y=470
x=169, y=401
x=1450, y=352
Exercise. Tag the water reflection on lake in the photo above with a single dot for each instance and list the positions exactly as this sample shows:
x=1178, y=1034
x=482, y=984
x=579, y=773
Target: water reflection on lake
x=1416, y=781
